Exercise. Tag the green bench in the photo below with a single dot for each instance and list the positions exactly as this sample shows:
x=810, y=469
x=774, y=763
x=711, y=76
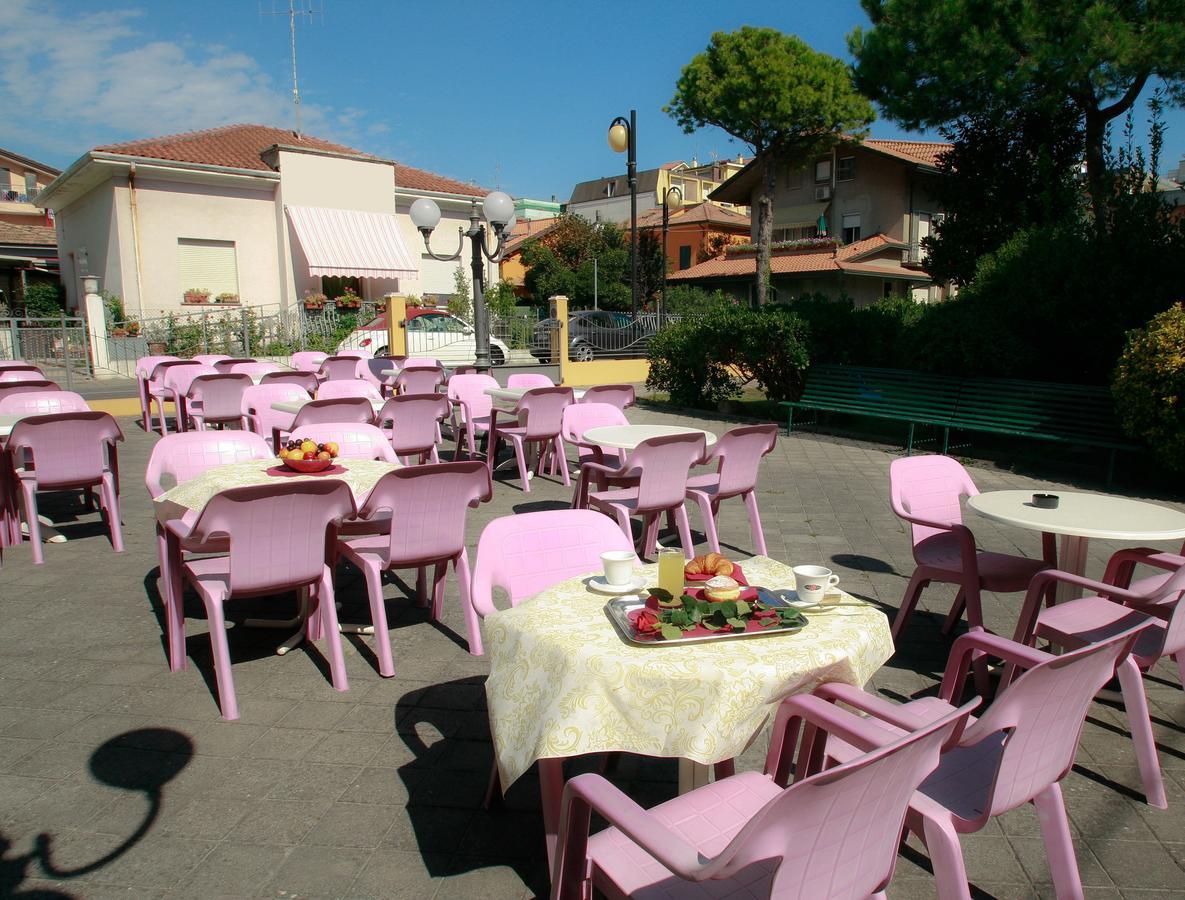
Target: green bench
x=1066, y=413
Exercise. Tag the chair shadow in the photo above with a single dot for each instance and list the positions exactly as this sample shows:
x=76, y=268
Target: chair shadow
x=454, y=772
x=862, y=563
x=143, y=761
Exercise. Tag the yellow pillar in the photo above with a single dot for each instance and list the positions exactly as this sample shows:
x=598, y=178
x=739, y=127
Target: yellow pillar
x=559, y=337
x=396, y=325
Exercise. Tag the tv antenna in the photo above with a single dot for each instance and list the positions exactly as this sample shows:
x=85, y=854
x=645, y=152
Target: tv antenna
x=304, y=10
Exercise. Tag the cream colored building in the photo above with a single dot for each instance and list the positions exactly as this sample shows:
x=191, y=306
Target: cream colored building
x=259, y=212
x=608, y=199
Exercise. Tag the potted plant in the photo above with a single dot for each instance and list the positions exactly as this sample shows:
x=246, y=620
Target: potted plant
x=157, y=336
x=348, y=300
x=133, y=327
x=227, y=297
x=196, y=295
x=314, y=301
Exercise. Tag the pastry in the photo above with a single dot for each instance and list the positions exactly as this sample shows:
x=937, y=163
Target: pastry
x=710, y=564
x=721, y=588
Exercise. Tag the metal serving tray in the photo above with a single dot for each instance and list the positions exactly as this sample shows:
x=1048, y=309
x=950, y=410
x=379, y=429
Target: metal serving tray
x=619, y=608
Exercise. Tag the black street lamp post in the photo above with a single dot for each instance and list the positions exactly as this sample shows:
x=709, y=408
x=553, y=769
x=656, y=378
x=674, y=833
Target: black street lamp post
x=623, y=138
x=672, y=199
x=499, y=211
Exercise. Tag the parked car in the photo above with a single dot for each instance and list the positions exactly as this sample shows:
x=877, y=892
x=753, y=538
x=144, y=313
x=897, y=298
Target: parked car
x=430, y=332
x=596, y=332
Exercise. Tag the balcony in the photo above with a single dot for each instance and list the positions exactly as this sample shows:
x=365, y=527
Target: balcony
x=13, y=196
x=914, y=256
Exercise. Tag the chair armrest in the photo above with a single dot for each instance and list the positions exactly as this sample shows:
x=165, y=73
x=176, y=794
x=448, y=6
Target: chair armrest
x=892, y=713
x=590, y=467
x=966, y=645
x=178, y=528
x=1033, y=597
x=1123, y=562
x=590, y=792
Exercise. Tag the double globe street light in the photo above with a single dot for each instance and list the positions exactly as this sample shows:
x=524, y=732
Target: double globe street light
x=499, y=212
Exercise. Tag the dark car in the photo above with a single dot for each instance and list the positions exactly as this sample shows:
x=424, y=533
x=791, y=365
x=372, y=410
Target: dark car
x=596, y=333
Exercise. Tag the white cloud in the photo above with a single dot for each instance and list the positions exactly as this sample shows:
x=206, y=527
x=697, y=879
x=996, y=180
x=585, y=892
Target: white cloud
x=98, y=78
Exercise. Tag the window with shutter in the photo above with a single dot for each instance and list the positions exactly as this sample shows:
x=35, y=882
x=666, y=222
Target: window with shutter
x=208, y=265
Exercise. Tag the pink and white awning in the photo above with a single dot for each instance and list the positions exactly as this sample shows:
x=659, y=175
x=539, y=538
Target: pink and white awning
x=352, y=243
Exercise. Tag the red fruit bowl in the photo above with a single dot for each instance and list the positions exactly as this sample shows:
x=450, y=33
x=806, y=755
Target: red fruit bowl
x=308, y=466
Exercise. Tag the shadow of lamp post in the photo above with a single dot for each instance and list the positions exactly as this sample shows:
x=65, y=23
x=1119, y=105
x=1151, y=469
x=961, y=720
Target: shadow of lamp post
x=499, y=212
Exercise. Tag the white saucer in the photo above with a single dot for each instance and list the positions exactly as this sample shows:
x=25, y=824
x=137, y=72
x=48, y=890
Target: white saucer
x=798, y=603
x=601, y=586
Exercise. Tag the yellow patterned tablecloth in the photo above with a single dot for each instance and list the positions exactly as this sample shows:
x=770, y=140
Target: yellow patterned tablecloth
x=563, y=682
x=361, y=475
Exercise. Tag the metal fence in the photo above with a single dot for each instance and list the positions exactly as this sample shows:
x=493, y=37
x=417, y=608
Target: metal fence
x=58, y=346
x=601, y=334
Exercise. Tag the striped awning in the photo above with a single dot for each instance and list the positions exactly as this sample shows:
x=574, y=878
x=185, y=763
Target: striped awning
x=352, y=243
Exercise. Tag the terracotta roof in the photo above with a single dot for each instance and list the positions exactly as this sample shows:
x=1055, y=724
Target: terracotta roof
x=27, y=234
x=733, y=264
x=927, y=153
x=526, y=229
x=698, y=212
x=240, y=146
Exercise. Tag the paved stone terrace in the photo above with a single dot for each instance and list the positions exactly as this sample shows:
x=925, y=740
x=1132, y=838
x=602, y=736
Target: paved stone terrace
x=117, y=778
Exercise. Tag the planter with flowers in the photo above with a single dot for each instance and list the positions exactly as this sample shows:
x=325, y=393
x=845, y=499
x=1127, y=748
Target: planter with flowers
x=227, y=298
x=348, y=300
x=314, y=301
x=196, y=295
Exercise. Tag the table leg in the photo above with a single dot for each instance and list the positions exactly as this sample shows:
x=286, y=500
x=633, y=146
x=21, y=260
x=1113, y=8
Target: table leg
x=1072, y=559
x=302, y=615
x=693, y=775
x=551, y=791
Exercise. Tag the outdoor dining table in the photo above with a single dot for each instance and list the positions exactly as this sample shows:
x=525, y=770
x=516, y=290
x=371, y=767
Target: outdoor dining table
x=510, y=396
x=627, y=437
x=563, y=682
x=187, y=500
x=1078, y=518
x=294, y=406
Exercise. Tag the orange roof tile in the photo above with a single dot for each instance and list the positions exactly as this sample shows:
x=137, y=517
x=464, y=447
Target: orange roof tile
x=925, y=152
x=11, y=233
x=698, y=212
x=525, y=229
x=735, y=264
x=240, y=146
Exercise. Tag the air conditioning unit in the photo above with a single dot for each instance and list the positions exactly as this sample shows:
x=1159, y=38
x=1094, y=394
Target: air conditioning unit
x=823, y=192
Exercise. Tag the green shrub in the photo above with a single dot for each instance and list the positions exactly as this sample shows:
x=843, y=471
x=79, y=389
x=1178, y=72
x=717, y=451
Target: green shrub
x=44, y=300
x=690, y=363
x=686, y=299
x=1149, y=386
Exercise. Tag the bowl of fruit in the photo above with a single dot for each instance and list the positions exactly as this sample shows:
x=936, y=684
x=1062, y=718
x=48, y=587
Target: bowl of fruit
x=303, y=455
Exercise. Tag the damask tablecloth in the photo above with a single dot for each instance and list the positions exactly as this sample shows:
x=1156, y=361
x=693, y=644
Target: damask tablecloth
x=360, y=474
x=563, y=681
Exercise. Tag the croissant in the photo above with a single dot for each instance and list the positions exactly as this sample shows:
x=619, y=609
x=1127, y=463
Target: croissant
x=711, y=564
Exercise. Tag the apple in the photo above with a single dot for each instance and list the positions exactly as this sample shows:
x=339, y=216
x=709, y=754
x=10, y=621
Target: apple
x=324, y=454
x=310, y=454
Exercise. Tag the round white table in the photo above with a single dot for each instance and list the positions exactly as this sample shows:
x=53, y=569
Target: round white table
x=1078, y=518
x=627, y=437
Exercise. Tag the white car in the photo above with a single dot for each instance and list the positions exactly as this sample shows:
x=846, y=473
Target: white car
x=430, y=332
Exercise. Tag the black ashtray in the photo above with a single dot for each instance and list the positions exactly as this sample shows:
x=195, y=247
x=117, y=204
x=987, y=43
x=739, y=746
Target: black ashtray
x=1046, y=501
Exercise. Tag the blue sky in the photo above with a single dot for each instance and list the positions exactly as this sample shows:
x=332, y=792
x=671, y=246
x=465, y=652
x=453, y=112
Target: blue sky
x=517, y=96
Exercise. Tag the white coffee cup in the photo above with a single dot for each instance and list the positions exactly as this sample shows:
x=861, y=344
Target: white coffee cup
x=619, y=566
x=812, y=582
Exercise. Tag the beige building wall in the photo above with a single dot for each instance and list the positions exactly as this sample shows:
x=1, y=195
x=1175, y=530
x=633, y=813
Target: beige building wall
x=89, y=228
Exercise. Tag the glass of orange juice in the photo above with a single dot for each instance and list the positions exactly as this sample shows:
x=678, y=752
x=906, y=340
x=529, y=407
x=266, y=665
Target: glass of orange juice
x=670, y=571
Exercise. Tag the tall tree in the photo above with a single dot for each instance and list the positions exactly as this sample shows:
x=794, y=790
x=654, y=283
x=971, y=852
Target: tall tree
x=773, y=92
x=930, y=62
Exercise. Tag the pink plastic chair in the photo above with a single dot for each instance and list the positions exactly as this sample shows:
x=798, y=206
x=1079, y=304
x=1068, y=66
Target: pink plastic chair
x=738, y=454
x=528, y=380
x=620, y=395
x=27, y=387
x=258, y=415
x=14, y=375
x=145, y=366
x=267, y=555
x=74, y=450
x=540, y=412
x=356, y=353
x=925, y=491
x=415, y=427
x=370, y=371
x=524, y=554
x=343, y=410
x=175, y=459
x=159, y=390
x=661, y=466
x=332, y=390
x=472, y=409
x=17, y=364
x=339, y=368
x=227, y=364
x=354, y=440
x=254, y=369
x=209, y=359
x=422, y=362
x=418, y=380
x=1016, y=753
x=464, y=370
x=176, y=383
x=430, y=504
x=43, y=403
x=577, y=419
x=1113, y=609
x=306, y=380
x=307, y=360
x=216, y=400
x=833, y=835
